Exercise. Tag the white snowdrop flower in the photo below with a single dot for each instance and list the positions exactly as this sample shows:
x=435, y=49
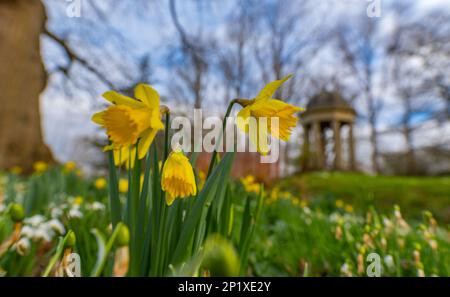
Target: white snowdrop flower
x=334, y=217
x=64, y=206
x=345, y=270
x=27, y=231
x=57, y=226
x=43, y=233
x=56, y=212
x=397, y=214
x=75, y=213
x=2, y=207
x=433, y=244
x=97, y=206
x=306, y=210
x=23, y=246
x=34, y=220
x=389, y=261
x=347, y=225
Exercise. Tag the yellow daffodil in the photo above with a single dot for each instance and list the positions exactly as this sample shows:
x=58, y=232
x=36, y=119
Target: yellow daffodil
x=16, y=170
x=201, y=179
x=100, y=183
x=339, y=203
x=129, y=120
x=178, y=179
x=250, y=184
x=123, y=185
x=70, y=166
x=40, y=166
x=264, y=107
x=78, y=200
x=348, y=208
x=303, y=203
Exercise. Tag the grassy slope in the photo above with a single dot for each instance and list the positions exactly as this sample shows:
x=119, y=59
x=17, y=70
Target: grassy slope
x=412, y=194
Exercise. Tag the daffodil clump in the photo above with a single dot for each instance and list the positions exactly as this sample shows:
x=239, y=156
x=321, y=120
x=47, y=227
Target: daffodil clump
x=250, y=184
x=170, y=209
x=154, y=215
x=276, y=194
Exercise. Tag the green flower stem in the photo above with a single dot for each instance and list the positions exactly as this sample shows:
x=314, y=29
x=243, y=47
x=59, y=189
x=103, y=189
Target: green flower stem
x=163, y=232
x=101, y=262
x=248, y=233
x=166, y=136
x=56, y=256
x=113, y=191
x=134, y=191
x=224, y=124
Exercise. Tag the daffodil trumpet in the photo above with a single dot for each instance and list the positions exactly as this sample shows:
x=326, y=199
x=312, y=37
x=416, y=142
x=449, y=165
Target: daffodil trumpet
x=178, y=179
x=166, y=213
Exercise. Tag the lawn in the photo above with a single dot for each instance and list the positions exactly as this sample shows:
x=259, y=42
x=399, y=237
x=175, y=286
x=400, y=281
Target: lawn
x=412, y=194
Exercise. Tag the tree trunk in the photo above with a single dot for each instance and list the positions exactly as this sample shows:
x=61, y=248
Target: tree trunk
x=372, y=113
x=407, y=131
x=22, y=79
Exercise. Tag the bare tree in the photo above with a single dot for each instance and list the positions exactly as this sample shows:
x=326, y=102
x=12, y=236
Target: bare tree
x=233, y=52
x=192, y=65
x=418, y=56
x=288, y=36
x=359, y=47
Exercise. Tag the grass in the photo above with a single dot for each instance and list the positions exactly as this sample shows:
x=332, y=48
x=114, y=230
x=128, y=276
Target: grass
x=412, y=194
x=176, y=241
x=318, y=224
x=297, y=239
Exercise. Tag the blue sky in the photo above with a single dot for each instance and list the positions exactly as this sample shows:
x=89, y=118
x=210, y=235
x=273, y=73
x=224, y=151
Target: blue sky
x=132, y=31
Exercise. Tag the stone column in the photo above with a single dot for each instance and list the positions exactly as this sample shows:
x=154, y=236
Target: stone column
x=337, y=145
x=351, y=147
x=318, y=146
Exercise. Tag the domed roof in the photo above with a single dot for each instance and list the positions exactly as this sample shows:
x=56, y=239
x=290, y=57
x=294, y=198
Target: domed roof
x=327, y=99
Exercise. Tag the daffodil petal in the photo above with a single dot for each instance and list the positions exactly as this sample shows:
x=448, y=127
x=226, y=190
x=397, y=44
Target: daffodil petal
x=241, y=119
x=131, y=154
x=259, y=138
x=98, y=118
x=280, y=105
x=146, y=141
x=122, y=156
x=148, y=95
x=116, y=98
x=169, y=199
x=270, y=89
x=155, y=121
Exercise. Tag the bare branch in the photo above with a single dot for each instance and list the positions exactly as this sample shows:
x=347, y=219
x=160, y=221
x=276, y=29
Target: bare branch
x=74, y=57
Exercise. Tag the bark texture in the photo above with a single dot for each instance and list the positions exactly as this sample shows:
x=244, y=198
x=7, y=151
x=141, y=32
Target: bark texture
x=22, y=79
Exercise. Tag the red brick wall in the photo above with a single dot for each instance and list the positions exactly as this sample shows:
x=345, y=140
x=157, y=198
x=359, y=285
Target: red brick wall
x=245, y=163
